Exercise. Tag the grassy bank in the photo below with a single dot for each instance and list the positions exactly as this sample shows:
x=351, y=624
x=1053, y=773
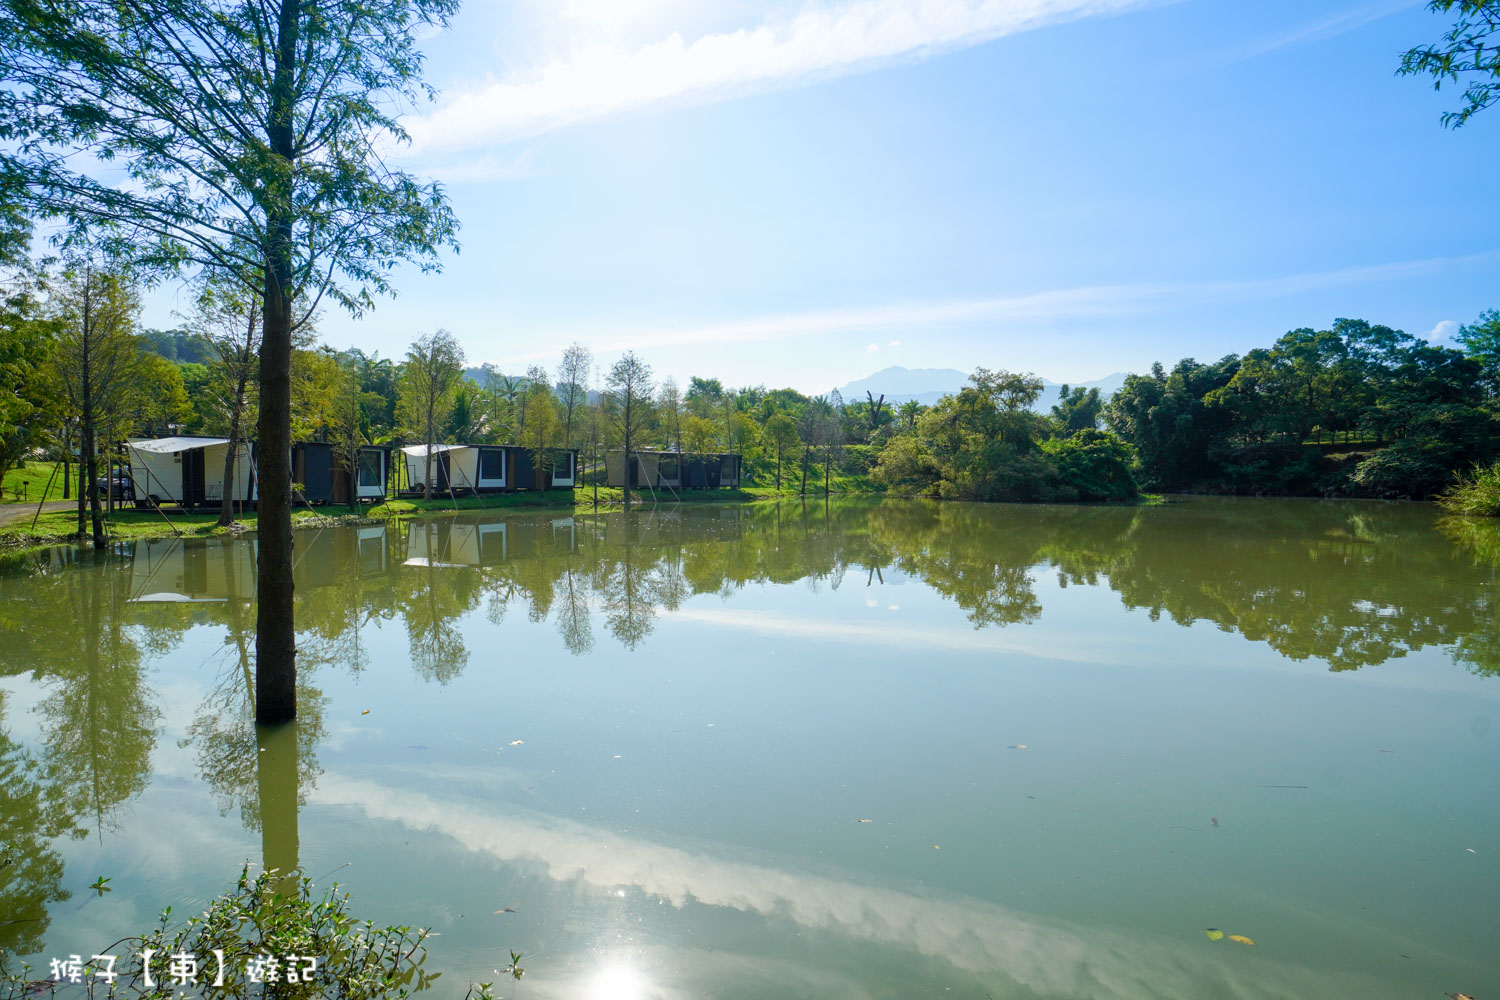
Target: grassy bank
x=27, y=482
x=55, y=527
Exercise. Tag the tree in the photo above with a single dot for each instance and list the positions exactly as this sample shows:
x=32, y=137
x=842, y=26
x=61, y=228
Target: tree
x=629, y=381
x=28, y=409
x=1465, y=51
x=910, y=411
x=434, y=364
x=697, y=435
x=779, y=433
x=1078, y=409
x=669, y=409
x=97, y=362
x=250, y=130
x=572, y=386
x=229, y=317
x=541, y=428
x=1481, y=341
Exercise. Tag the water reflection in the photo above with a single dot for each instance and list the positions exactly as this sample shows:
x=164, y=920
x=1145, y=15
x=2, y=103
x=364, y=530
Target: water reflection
x=1350, y=584
x=1343, y=585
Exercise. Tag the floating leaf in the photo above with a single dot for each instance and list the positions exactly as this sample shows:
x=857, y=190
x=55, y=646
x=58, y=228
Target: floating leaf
x=365, y=712
x=1458, y=996
x=1214, y=933
x=1240, y=938
x=864, y=821
x=516, y=743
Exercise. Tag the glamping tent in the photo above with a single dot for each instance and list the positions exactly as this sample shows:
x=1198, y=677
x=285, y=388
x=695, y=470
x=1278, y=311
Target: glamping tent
x=189, y=471
x=372, y=471
x=659, y=470
x=486, y=468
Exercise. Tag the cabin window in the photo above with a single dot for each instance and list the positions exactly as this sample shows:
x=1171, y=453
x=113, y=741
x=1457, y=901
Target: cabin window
x=562, y=466
x=491, y=464
x=371, y=469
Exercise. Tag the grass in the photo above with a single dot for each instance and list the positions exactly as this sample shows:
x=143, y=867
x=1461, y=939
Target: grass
x=35, y=476
x=1476, y=492
x=55, y=527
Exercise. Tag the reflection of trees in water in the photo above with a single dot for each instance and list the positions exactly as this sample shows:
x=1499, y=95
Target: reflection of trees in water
x=65, y=622
x=30, y=870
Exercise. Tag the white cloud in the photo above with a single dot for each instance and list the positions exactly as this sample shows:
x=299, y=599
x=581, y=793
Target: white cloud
x=895, y=343
x=1444, y=332
x=1011, y=949
x=601, y=78
x=872, y=348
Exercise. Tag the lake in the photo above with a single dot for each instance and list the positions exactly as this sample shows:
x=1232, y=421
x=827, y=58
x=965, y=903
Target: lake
x=861, y=749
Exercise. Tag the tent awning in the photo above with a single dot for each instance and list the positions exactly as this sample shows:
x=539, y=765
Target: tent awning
x=420, y=450
x=168, y=445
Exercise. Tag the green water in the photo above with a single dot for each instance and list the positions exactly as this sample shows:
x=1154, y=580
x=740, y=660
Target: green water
x=1079, y=738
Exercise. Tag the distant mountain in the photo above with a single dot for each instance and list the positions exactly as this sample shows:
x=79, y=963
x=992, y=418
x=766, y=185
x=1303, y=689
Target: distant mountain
x=928, y=385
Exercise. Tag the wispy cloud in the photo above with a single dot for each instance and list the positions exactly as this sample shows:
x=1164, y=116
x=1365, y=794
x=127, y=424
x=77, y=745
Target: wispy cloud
x=602, y=78
x=1088, y=302
x=1313, y=31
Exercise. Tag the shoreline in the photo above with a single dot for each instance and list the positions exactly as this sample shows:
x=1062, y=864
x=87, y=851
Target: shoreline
x=58, y=527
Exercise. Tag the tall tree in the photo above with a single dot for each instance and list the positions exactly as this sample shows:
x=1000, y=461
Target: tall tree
x=629, y=381
x=250, y=130
x=434, y=364
x=229, y=317
x=780, y=433
x=1465, y=53
x=572, y=386
x=97, y=362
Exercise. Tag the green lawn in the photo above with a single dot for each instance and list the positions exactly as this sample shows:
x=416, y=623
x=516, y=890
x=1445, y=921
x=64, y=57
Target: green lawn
x=27, y=483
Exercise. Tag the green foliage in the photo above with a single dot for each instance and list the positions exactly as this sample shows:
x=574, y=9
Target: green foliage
x=278, y=916
x=1465, y=53
x=1093, y=464
x=1475, y=492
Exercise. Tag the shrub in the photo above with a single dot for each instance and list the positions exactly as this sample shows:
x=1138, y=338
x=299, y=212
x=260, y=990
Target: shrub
x=1477, y=492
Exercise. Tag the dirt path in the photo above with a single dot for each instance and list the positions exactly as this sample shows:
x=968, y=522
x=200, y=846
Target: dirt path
x=11, y=512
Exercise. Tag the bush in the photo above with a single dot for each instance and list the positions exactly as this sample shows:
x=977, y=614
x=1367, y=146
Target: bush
x=272, y=916
x=1404, y=471
x=1477, y=492
x=1093, y=465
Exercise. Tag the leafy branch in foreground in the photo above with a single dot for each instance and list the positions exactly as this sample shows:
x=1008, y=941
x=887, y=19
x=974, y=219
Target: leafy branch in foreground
x=255, y=926
x=1465, y=49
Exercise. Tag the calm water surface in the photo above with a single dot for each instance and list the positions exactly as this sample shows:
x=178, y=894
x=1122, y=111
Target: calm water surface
x=889, y=749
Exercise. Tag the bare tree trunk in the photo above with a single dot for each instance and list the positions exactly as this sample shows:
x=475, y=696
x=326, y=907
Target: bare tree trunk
x=236, y=413
x=275, y=631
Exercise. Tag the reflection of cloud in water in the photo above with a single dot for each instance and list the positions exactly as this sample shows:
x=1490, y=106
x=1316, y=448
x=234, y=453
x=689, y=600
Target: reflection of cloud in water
x=988, y=941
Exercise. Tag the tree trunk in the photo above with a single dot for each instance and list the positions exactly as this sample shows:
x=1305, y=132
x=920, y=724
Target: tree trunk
x=226, y=504
x=806, y=452
x=778, y=469
x=625, y=483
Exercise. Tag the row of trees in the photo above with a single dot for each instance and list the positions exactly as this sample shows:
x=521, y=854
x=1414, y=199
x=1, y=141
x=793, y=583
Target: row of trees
x=1358, y=409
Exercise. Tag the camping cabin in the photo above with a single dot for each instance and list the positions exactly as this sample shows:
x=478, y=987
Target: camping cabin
x=486, y=468
x=460, y=541
x=189, y=471
x=372, y=471
x=657, y=470
x=312, y=467
x=453, y=467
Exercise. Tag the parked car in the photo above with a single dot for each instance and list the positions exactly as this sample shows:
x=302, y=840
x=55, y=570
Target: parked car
x=119, y=485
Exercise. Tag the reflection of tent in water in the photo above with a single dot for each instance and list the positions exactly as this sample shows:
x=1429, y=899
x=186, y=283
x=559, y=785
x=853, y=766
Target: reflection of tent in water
x=460, y=541
x=173, y=571
x=450, y=542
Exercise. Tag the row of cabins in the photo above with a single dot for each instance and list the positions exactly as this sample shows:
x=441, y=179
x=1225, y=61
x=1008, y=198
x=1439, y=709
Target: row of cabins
x=189, y=471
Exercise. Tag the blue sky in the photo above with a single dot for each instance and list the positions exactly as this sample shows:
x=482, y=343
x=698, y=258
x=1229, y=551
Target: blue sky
x=798, y=193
